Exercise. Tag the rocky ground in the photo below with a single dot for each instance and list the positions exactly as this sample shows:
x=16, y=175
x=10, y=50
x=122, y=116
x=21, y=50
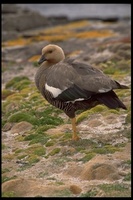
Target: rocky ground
x=39, y=159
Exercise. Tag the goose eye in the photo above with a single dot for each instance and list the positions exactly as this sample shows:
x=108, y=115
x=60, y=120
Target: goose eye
x=50, y=51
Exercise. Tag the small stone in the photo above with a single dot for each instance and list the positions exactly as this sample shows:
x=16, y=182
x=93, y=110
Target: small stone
x=75, y=189
x=94, y=123
x=7, y=126
x=21, y=127
x=100, y=171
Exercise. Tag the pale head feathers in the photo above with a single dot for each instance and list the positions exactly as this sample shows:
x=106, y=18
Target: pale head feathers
x=53, y=53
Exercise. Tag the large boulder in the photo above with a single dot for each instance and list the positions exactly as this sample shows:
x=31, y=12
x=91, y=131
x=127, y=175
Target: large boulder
x=16, y=20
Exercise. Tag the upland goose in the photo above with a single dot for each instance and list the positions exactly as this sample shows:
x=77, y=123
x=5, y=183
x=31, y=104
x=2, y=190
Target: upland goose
x=70, y=85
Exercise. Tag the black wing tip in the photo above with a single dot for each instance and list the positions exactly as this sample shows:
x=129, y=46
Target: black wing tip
x=122, y=86
x=111, y=100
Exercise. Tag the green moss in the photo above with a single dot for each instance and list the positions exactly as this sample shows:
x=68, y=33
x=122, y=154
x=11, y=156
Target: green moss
x=38, y=150
x=82, y=116
x=18, y=151
x=57, y=136
x=35, y=64
x=54, y=151
x=25, y=92
x=59, y=183
x=126, y=133
x=115, y=190
x=63, y=193
x=109, y=187
x=83, y=144
x=66, y=136
x=98, y=108
x=50, y=143
x=23, y=84
x=85, y=114
x=8, y=156
x=128, y=118
x=16, y=82
x=21, y=116
x=49, y=116
x=6, y=93
x=109, y=70
x=14, y=97
x=36, y=138
x=21, y=156
x=88, y=157
x=128, y=162
x=127, y=177
x=5, y=178
x=9, y=194
x=113, y=67
x=114, y=111
x=32, y=159
x=106, y=149
x=5, y=170
x=123, y=93
x=34, y=97
x=51, y=120
x=3, y=146
x=42, y=174
x=90, y=193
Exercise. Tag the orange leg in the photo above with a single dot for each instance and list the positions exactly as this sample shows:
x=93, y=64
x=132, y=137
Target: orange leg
x=74, y=136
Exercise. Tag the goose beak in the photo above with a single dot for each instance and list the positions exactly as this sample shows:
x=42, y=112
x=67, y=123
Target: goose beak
x=42, y=59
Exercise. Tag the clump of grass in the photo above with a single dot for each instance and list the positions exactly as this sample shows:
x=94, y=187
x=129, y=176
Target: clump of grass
x=36, y=138
x=22, y=156
x=22, y=116
x=98, y=108
x=8, y=156
x=82, y=116
x=128, y=162
x=85, y=114
x=18, y=83
x=109, y=70
x=54, y=151
x=25, y=92
x=115, y=190
x=38, y=135
x=18, y=151
x=14, y=97
x=50, y=143
x=3, y=146
x=32, y=159
x=106, y=149
x=34, y=97
x=9, y=194
x=5, y=170
x=6, y=178
x=38, y=150
x=128, y=118
x=127, y=177
x=63, y=193
x=6, y=93
x=88, y=157
x=91, y=193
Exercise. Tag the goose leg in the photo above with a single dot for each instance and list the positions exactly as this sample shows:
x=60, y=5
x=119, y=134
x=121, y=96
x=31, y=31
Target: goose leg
x=74, y=136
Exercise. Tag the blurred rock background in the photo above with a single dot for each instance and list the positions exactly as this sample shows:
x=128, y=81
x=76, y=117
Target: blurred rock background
x=38, y=157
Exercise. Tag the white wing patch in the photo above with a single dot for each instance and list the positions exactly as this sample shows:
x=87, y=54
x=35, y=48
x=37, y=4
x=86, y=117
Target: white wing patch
x=80, y=99
x=102, y=90
x=55, y=91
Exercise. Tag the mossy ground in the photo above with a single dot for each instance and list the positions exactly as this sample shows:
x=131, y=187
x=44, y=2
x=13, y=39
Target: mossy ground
x=108, y=190
x=23, y=102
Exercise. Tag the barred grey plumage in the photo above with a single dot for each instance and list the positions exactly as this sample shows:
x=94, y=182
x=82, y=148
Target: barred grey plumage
x=72, y=86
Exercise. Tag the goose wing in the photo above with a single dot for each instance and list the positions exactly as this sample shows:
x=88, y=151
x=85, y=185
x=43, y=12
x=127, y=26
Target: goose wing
x=70, y=81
